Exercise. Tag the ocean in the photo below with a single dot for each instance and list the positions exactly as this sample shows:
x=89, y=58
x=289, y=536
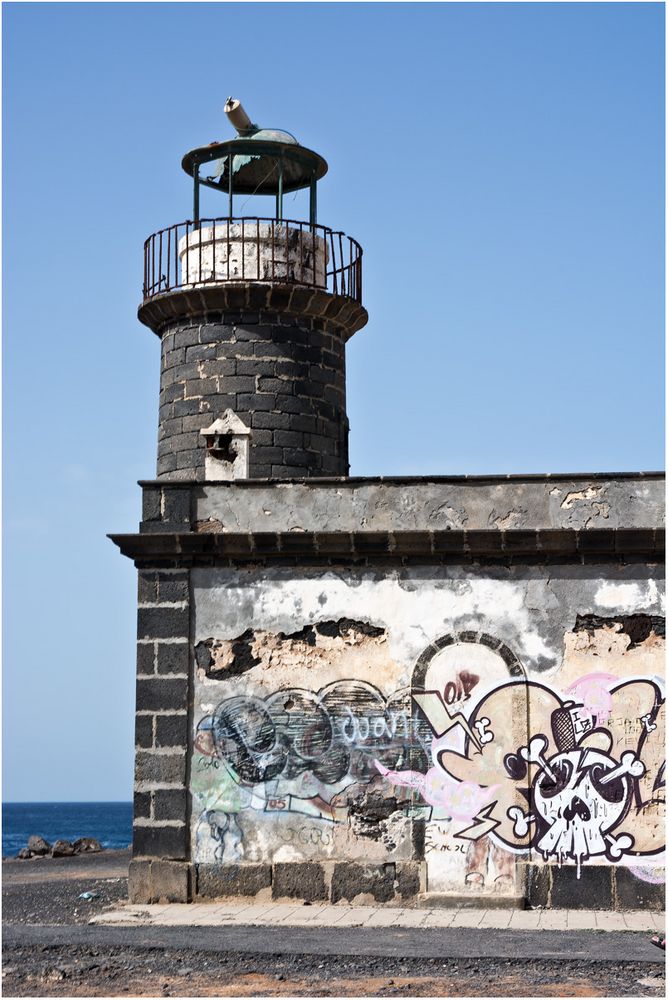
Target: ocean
x=109, y=822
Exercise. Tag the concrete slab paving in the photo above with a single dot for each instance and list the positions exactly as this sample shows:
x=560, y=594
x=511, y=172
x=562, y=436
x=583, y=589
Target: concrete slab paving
x=297, y=915
x=496, y=918
x=641, y=921
x=554, y=920
x=579, y=920
x=525, y=920
x=383, y=918
x=609, y=921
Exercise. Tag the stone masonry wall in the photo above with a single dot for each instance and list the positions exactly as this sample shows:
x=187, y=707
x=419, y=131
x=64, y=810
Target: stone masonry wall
x=285, y=381
x=160, y=828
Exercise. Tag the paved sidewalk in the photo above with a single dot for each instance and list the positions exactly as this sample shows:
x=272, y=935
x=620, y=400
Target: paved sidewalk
x=293, y=915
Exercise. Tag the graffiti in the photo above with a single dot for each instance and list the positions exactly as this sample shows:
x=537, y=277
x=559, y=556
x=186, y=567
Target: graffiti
x=653, y=876
x=572, y=780
x=308, y=753
x=492, y=764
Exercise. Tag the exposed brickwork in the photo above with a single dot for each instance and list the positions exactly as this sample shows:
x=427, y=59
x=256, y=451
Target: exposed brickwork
x=161, y=721
x=285, y=379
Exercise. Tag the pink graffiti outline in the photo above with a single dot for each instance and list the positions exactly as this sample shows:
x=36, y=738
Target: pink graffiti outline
x=463, y=799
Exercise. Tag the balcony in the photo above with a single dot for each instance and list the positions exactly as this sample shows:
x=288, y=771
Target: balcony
x=220, y=252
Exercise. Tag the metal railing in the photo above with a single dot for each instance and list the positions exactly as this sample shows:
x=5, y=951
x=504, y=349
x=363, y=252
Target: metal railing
x=214, y=251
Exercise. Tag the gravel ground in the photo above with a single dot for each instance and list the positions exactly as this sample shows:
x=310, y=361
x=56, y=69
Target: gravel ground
x=156, y=972
x=47, y=890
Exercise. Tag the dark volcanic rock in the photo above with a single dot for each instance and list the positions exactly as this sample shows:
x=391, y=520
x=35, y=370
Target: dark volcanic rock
x=62, y=849
x=87, y=845
x=24, y=854
x=38, y=845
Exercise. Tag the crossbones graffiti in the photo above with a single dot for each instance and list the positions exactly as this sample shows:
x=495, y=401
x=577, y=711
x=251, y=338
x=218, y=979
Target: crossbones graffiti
x=567, y=782
x=579, y=797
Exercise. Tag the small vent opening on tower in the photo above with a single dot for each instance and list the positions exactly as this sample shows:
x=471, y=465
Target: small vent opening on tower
x=227, y=442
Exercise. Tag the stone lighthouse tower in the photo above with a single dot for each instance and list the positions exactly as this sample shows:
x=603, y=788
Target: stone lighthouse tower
x=253, y=315
x=369, y=690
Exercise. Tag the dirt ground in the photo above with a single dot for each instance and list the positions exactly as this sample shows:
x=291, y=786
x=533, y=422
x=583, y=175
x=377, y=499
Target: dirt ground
x=47, y=892
x=114, y=972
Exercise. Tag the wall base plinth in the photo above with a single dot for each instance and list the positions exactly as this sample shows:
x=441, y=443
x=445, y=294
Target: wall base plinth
x=393, y=883
x=156, y=881
x=599, y=887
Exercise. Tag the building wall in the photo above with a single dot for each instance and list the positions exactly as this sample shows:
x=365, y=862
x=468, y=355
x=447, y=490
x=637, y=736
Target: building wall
x=285, y=381
x=372, y=732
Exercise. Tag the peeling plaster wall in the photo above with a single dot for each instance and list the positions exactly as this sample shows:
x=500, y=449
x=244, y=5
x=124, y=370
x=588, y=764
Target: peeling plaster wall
x=308, y=743
x=431, y=505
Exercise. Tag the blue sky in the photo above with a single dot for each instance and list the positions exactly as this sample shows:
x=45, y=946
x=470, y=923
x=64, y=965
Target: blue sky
x=501, y=165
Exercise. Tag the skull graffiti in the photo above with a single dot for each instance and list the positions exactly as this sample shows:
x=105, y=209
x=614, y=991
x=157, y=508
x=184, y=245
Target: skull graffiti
x=581, y=796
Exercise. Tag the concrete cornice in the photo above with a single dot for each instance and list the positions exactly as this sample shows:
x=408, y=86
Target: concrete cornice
x=592, y=545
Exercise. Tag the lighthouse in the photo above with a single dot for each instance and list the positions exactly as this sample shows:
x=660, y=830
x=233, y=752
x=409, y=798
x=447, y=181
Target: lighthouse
x=253, y=316
x=369, y=690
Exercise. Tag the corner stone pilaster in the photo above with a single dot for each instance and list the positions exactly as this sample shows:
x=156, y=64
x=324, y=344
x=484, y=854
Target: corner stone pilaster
x=160, y=869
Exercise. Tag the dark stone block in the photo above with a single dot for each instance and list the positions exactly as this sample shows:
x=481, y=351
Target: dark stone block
x=185, y=442
x=262, y=438
x=139, y=882
x=166, y=464
x=560, y=888
x=297, y=404
x=303, y=422
x=156, y=693
x=203, y=387
x=170, y=803
x=173, y=586
x=213, y=333
x=162, y=623
x=160, y=841
x=279, y=386
x=253, y=366
x=288, y=472
x=350, y=879
x=232, y=879
x=171, y=882
x=249, y=402
x=144, y=731
x=237, y=383
x=292, y=369
x=299, y=880
x=186, y=336
x=268, y=456
x=199, y=352
x=145, y=658
x=633, y=893
x=173, y=657
x=289, y=439
x=141, y=808
x=270, y=421
x=160, y=768
x=170, y=731
x=190, y=459
x=176, y=505
x=187, y=407
x=147, y=586
x=151, y=503
x=297, y=456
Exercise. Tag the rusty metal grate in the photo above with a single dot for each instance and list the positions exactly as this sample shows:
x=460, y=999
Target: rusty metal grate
x=213, y=251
